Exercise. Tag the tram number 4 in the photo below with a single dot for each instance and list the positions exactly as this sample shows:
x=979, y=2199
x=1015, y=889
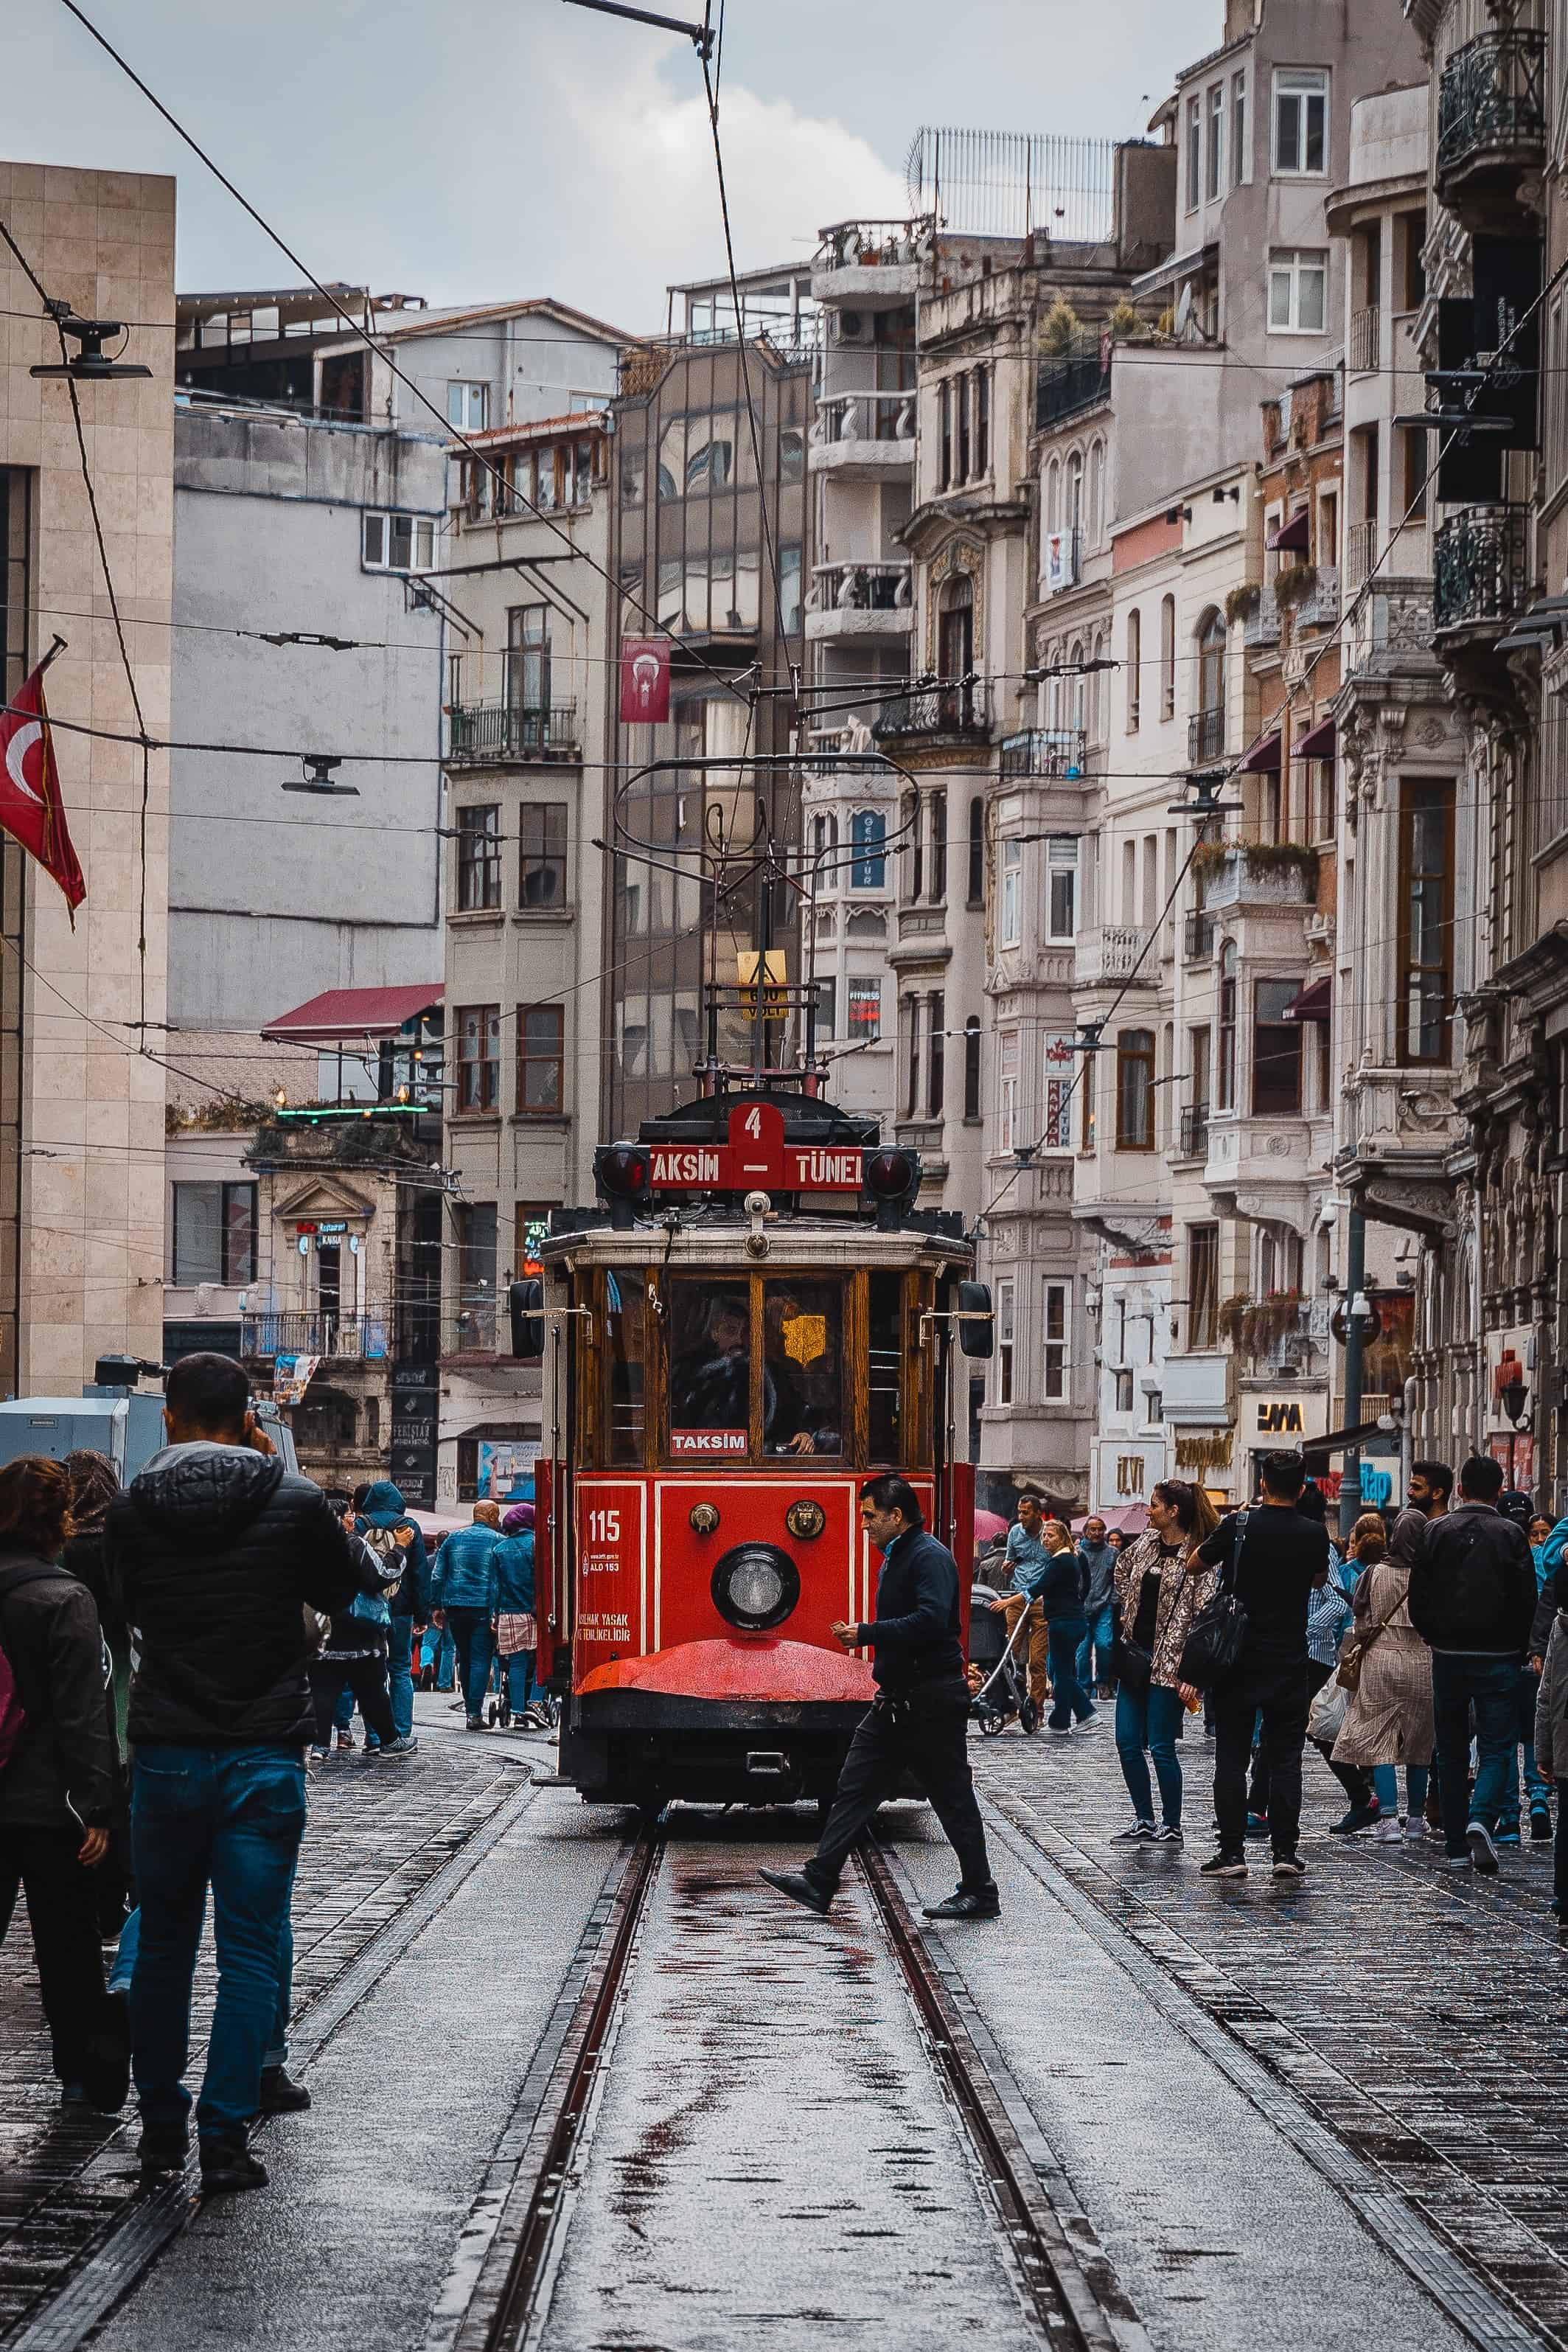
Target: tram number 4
x=604, y=1527
x=752, y=1124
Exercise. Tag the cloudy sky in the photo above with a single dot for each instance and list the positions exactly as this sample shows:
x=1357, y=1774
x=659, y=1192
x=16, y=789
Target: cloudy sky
x=527, y=147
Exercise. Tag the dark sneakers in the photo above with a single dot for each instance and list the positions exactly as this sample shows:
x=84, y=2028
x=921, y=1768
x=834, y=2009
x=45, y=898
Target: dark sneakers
x=1224, y=1865
x=164, y=2150
x=1483, y=1851
x=1540, y=1824
x=798, y=1888
x=1360, y=1817
x=1289, y=1865
x=968, y=1903
x=227, y=2164
x=280, y=2094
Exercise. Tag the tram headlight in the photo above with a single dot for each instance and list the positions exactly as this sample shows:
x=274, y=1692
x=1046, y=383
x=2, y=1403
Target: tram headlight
x=756, y=1586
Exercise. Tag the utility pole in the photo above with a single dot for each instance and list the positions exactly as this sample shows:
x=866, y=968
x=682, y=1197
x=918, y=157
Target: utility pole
x=1355, y=1337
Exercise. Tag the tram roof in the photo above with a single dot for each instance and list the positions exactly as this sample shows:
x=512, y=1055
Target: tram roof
x=713, y=1239
x=809, y=1120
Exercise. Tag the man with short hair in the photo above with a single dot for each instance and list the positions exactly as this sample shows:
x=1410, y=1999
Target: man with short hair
x=1028, y=1559
x=1272, y=1556
x=217, y=1551
x=463, y=1597
x=1472, y=1598
x=918, y=1724
x=1099, y=1558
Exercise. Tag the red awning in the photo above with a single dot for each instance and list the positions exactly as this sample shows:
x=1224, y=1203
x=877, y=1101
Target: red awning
x=1315, y=1002
x=1293, y=538
x=343, y=1013
x=1263, y=758
x=1317, y=743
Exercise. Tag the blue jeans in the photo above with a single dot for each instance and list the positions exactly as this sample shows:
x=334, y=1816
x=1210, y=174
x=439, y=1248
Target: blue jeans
x=122, y=1973
x=476, y=1639
x=231, y=1818
x=1385, y=1785
x=1491, y=1687
x=1537, y=1791
x=438, y=1650
x=1150, y=1719
x=518, y=1670
x=399, y=1674
x=1095, y=1649
x=1069, y=1701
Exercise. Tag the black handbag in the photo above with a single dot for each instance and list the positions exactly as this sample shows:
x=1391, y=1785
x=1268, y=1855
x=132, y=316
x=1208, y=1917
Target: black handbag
x=1216, y=1636
x=1131, y=1663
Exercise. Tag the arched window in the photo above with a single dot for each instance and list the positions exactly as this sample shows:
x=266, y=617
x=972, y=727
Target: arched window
x=1167, y=657
x=1096, y=524
x=1210, y=714
x=1053, y=496
x=1136, y=1090
x=868, y=832
x=1074, y=518
x=1097, y=696
x=972, y=1067
x=824, y=842
x=911, y=816
x=1134, y=668
x=956, y=628
x=976, y=851
x=1078, y=685
x=1225, y=1090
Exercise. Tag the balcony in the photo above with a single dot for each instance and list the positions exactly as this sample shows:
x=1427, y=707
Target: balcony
x=1260, y=627
x=1197, y=937
x=1273, y=1332
x=1320, y=609
x=1116, y=955
x=959, y=713
x=1055, y=753
x=860, y=600
x=1206, y=736
x=1491, y=123
x=872, y=265
x=1194, y=1140
x=1481, y=573
x=335, y=1338
x=863, y=434
x=481, y=734
x=1264, y=876
x=1365, y=339
x=1064, y=386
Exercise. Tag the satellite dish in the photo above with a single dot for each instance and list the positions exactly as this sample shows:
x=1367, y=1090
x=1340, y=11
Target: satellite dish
x=1184, y=311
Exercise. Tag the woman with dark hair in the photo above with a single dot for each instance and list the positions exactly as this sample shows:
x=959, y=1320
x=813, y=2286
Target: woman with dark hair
x=58, y=1787
x=1160, y=1589
x=1389, y=1720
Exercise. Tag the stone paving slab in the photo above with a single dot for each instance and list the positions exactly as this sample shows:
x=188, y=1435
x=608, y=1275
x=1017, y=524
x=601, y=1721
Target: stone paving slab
x=1421, y=2016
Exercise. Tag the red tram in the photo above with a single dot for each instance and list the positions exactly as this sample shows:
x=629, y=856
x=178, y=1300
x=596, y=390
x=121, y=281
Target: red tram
x=754, y=1320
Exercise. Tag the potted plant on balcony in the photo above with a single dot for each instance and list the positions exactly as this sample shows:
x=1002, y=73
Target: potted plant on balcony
x=1242, y=602
x=1294, y=584
x=1284, y=857
x=1060, y=335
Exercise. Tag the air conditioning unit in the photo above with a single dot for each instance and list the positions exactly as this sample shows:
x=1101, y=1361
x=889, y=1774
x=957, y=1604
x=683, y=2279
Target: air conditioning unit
x=852, y=327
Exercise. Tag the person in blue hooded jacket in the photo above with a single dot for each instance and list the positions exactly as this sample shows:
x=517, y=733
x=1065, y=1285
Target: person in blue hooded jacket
x=380, y=1511
x=462, y=1595
x=517, y=1627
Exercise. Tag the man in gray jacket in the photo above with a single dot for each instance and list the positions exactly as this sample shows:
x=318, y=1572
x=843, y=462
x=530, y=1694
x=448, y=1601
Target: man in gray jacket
x=1099, y=1557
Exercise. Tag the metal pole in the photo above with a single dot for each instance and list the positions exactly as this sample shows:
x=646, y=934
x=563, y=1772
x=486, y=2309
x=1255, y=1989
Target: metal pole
x=1354, y=1282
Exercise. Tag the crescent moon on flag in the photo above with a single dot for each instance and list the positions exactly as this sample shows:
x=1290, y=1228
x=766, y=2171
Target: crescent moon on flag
x=17, y=751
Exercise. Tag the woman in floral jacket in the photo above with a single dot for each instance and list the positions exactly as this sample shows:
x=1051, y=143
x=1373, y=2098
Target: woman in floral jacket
x=1160, y=1589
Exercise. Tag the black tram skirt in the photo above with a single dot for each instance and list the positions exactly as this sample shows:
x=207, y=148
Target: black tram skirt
x=647, y=1748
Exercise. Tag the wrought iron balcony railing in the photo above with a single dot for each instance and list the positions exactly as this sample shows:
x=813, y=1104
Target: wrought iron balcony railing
x=355, y=1337
x=1491, y=102
x=960, y=708
x=1051, y=751
x=511, y=731
x=1480, y=567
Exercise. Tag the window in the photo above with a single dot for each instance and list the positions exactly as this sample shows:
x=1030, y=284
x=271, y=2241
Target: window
x=468, y=407
x=982, y=421
x=1057, y=1330
x=1298, y=282
x=1058, y=1063
x=528, y=657
x=1226, y=1092
x=914, y=843
x=1412, y=275
x=884, y=1296
x=1300, y=120
x=1061, y=890
x=945, y=433
x=824, y=839
x=478, y=1057
x=1215, y=140
x=935, y=1043
x=1238, y=129
x=1121, y=1389
x=1413, y=504
x=961, y=403
x=214, y=1236
x=1425, y=920
x=1096, y=492
x=1167, y=657
x=868, y=833
x=1008, y=1090
x=790, y=588
x=865, y=1010
x=938, y=849
x=1276, y=1050
x=1193, y=153
x=476, y=1231
x=541, y=879
x=1136, y=1090
x=1004, y=1343
x=955, y=631
x=531, y=1231
x=911, y=1085
x=396, y=542
x=827, y=1003
x=541, y=1045
x=976, y=851
x=1202, y=1286
x=1009, y=929
x=478, y=857
x=972, y=1067
x=1134, y=668
x=625, y=1353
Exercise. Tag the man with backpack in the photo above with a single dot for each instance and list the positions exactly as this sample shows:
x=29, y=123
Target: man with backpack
x=1269, y=1559
x=1472, y=1598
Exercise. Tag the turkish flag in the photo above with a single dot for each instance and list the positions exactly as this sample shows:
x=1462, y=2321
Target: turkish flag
x=31, y=809
x=644, y=681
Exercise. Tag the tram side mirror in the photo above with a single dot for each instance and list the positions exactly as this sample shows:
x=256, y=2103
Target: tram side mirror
x=527, y=1303
x=977, y=1324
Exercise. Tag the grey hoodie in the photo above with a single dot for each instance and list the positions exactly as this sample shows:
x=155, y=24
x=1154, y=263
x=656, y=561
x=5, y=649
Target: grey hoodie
x=1099, y=1559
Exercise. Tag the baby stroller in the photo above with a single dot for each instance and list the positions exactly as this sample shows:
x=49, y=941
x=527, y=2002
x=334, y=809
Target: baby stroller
x=1001, y=1666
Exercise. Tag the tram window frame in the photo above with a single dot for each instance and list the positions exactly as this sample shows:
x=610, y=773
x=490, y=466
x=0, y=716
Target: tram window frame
x=885, y=1421
x=847, y=1333
x=626, y=1449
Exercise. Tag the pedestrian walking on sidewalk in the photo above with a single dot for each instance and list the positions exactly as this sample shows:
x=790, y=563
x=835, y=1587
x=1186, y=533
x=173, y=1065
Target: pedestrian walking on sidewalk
x=517, y=1627
x=1330, y=1617
x=217, y=1549
x=463, y=1598
x=1551, y=1746
x=919, y=1723
x=1270, y=1559
x=59, y=1779
x=1388, y=1721
x=1096, y=1670
x=352, y=1661
x=384, y=1521
x=1062, y=1596
x=1472, y=1600
x=1159, y=1589
x=1027, y=1559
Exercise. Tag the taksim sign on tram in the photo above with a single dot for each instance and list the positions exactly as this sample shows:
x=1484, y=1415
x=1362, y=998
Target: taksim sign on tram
x=755, y=1158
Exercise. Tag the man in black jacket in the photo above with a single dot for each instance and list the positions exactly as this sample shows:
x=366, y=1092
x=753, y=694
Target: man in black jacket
x=1472, y=1597
x=216, y=1549
x=918, y=1722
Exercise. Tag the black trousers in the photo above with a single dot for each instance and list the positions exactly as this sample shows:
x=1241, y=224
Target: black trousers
x=367, y=1678
x=925, y=1735
x=62, y=1909
x=1280, y=1694
x=1354, y=1778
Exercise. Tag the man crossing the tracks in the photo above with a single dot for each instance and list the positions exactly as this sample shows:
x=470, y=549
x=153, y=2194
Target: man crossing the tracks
x=917, y=1725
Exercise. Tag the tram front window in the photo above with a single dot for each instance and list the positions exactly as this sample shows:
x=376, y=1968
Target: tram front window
x=710, y=1369
x=803, y=1367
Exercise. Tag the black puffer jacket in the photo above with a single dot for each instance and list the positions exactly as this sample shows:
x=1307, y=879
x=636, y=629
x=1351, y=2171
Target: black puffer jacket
x=1472, y=1591
x=216, y=1548
x=62, y=1772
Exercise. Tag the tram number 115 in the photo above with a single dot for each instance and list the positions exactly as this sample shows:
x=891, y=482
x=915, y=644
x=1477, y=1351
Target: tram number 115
x=604, y=1527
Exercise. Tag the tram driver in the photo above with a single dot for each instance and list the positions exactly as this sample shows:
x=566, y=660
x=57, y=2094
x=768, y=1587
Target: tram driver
x=710, y=1378
x=799, y=1361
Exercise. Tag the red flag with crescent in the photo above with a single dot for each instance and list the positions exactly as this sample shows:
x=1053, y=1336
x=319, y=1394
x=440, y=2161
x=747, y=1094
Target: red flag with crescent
x=31, y=809
x=644, y=681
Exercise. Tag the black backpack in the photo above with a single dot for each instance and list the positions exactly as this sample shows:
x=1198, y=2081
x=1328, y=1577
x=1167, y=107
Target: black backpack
x=1214, y=1641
